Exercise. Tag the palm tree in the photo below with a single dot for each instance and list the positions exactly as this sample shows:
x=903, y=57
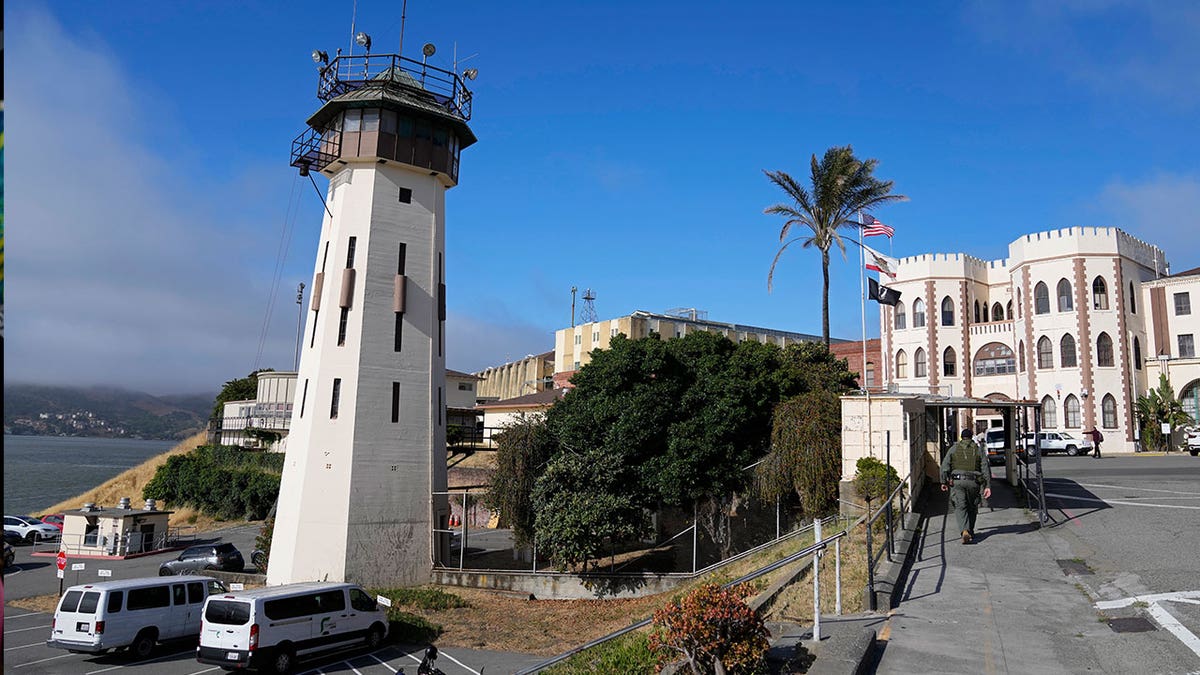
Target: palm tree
x=841, y=186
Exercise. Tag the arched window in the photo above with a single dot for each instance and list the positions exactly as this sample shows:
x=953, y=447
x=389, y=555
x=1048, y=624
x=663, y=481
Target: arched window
x=1045, y=354
x=1189, y=398
x=976, y=311
x=1021, y=354
x=1020, y=312
x=1049, y=413
x=947, y=311
x=949, y=362
x=901, y=365
x=1137, y=354
x=1041, y=298
x=1132, y=300
x=919, y=363
x=1104, y=352
x=1066, y=350
x=1071, y=412
x=1099, y=294
x=1108, y=412
x=918, y=313
x=1064, y=296
x=901, y=322
x=1008, y=314
x=997, y=312
x=986, y=316
x=995, y=358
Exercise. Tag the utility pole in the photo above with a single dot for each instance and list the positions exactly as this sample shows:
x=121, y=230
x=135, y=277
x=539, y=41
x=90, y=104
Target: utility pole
x=299, y=323
x=573, y=289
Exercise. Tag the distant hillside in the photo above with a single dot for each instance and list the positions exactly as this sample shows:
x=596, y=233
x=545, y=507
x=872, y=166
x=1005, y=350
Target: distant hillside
x=102, y=411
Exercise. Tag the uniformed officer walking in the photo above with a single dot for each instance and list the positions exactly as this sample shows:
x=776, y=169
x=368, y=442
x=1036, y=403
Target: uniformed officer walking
x=964, y=471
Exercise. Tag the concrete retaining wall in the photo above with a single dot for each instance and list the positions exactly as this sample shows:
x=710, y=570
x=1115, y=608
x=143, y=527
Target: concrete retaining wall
x=561, y=585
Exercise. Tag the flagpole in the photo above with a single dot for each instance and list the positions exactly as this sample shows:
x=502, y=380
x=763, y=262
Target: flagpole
x=862, y=273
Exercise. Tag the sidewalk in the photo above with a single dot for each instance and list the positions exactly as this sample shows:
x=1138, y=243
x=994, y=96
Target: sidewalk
x=1000, y=605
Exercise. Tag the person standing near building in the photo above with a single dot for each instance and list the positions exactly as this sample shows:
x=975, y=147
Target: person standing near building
x=1096, y=438
x=965, y=472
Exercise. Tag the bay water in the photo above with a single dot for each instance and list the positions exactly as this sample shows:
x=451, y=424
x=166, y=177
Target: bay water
x=40, y=471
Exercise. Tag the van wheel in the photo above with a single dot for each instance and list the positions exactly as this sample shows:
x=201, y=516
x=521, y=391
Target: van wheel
x=374, y=637
x=143, y=644
x=1072, y=451
x=283, y=660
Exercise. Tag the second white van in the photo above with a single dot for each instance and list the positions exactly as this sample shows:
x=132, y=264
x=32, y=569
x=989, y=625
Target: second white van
x=270, y=628
x=133, y=613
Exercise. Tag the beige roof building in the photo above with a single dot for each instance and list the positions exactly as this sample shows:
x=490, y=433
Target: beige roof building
x=529, y=375
x=1173, y=324
x=1064, y=319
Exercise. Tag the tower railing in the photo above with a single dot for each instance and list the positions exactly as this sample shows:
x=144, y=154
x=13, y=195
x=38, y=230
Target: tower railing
x=436, y=85
x=315, y=150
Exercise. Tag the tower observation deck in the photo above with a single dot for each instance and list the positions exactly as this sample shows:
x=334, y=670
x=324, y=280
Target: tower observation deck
x=390, y=107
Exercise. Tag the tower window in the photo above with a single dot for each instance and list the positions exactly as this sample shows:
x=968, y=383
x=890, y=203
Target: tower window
x=399, y=332
x=304, y=397
x=342, y=326
x=405, y=195
x=395, y=402
x=337, y=392
x=350, y=252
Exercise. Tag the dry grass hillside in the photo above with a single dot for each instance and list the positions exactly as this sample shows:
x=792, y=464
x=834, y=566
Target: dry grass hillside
x=130, y=482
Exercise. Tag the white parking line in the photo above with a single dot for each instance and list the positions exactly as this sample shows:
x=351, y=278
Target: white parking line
x=476, y=672
x=1139, y=489
x=36, y=644
x=22, y=616
x=1154, y=597
x=384, y=663
x=140, y=663
x=206, y=670
x=1123, y=503
x=1166, y=620
x=22, y=630
x=52, y=658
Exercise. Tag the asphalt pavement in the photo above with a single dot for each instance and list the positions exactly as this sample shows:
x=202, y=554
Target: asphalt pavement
x=1111, y=584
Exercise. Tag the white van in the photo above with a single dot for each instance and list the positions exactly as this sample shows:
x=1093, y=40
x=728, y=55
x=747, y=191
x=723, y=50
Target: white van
x=269, y=628
x=135, y=613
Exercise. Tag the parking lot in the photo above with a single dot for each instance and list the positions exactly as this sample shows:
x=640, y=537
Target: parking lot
x=25, y=632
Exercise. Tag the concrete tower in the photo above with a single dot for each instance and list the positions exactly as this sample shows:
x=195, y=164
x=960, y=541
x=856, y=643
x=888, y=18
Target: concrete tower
x=366, y=452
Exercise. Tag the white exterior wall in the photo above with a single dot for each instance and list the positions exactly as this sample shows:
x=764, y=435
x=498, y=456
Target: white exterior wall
x=1079, y=255
x=355, y=501
x=1182, y=372
x=456, y=396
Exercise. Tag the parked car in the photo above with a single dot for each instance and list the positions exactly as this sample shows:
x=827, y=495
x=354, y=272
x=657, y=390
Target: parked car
x=207, y=557
x=13, y=537
x=1058, y=441
x=1193, y=442
x=55, y=519
x=31, y=529
x=9, y=555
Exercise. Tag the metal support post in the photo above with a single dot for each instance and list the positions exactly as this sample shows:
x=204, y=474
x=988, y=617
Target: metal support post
x=695, y=541
x=817, y=582
x=887, y=491
x=462, y=541
x=837, y=576
x=870, y=564
x=777, y=519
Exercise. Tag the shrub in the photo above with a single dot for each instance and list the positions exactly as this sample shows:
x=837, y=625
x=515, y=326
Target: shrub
x=263, y=543
x=411, y=629
x=872, y=478
x=708, y=624
x=629, y=653
x=225, y=482
x=423, y=598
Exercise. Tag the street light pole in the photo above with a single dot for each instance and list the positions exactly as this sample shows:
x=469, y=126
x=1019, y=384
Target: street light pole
x=299, y=322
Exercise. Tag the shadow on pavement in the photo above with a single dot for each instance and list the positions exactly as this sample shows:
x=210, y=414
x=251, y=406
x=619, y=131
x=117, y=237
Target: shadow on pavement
x=1067, y=500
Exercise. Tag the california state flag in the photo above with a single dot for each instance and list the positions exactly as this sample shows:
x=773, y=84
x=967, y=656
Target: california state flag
x=880, y=262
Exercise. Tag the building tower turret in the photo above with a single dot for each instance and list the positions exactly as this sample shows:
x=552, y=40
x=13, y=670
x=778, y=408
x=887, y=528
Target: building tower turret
x=366, y=453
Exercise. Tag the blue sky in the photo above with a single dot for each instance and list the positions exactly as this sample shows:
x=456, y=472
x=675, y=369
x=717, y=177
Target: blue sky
x=621, y=148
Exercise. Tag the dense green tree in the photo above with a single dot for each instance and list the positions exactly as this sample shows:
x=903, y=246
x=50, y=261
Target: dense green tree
x=240, y=389
x=842, y=185
x=522, y=450
x=1157, y=407
x=806, y=453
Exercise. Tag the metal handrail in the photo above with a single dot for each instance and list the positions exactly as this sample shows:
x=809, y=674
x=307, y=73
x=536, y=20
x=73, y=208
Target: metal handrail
x=803, y=553
x=441, y=87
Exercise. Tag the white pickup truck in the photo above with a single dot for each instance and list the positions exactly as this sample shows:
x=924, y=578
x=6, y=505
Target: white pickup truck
x=1193, y=442
x=1058, y=441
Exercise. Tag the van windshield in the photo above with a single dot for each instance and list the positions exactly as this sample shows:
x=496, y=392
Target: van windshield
x=227, y=612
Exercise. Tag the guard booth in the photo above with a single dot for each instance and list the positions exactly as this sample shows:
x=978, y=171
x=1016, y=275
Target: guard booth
x=913, y=432
x=114, y=531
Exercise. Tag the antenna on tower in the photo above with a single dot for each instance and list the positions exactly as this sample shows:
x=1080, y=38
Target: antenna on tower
x=573, y=289
x=589, y=307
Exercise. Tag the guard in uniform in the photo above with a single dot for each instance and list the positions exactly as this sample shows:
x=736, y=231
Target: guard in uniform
x=965, y=472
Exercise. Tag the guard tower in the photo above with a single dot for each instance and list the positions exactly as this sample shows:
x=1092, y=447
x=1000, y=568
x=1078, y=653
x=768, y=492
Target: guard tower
x=366, y=453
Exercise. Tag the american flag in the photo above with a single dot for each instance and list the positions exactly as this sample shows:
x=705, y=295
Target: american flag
x=874, y=228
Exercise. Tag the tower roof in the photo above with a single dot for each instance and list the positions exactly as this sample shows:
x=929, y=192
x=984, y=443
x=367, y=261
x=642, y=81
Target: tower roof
x=398, y=94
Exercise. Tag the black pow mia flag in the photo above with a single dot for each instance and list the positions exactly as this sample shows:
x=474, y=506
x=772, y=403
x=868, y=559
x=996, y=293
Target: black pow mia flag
x=882, y=294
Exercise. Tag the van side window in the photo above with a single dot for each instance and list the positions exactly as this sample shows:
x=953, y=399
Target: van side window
x=290, y=608
x=180, y=593
x=90, y=601
x=70, y=601
x=114, y=601
x=195, y=592
x=215, y=587
x=331, y=601
x=361, y=601
x=149, y=598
